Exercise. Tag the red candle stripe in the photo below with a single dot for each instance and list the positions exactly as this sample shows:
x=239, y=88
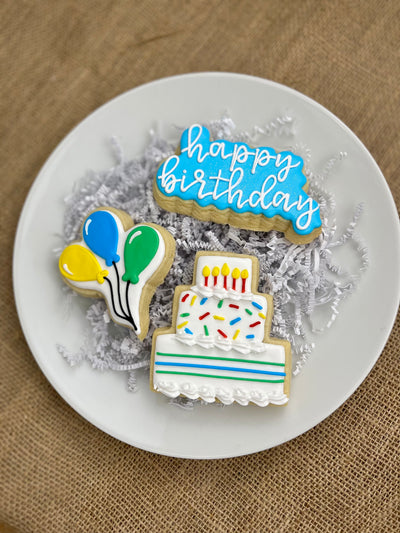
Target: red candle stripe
x=185, y=297
x=225, y=272
x=244, y=275
x=235, y=276
x=234, y=306
x=206, y=273
x=203, y=316
x=254, y=324
x=243, y=285
x=222, y=333
x=215, y=272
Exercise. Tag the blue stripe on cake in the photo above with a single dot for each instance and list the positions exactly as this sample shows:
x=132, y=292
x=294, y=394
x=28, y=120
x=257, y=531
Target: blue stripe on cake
x=215, y=367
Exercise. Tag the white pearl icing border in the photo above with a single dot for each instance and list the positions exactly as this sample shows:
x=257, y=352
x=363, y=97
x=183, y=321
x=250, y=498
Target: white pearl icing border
x=226, y=345
x=209, y=394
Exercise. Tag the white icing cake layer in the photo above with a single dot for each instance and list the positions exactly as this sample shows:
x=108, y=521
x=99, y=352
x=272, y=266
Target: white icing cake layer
x=227, y=323
x=215, y=374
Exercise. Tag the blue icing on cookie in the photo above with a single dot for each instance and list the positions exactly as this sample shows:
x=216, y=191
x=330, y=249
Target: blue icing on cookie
x=100, y=233
x=235, y=176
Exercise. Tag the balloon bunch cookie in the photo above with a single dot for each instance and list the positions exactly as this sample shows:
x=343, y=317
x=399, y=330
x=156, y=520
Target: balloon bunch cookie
x=121, y=262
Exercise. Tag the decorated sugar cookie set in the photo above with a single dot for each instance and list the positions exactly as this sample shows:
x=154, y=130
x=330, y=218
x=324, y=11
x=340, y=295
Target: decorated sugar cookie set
x=218, y=347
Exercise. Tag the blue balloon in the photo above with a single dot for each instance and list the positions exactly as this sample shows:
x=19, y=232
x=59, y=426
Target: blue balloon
x=100, y=232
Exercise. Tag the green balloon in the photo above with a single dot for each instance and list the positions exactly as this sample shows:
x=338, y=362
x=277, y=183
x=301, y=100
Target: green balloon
x=141, y=246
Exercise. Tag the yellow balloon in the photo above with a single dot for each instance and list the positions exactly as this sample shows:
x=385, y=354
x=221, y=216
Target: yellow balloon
x=79, y=264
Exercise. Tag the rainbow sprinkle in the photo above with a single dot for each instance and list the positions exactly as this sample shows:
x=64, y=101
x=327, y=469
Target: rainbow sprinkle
x=187, y=330
x=249, y=336
x=220, y=304
x=184, y=298
x=218, y=317
x=248, y=311
x=206, y=330
x=236, y=335
x=183, y=324
x=193, y=299
x=235, y=321
x=184, y=314
x=203, y=301
x=203, y=316
x=258, y=306
x=254, y=324
x=222, y=333
x=261, y=315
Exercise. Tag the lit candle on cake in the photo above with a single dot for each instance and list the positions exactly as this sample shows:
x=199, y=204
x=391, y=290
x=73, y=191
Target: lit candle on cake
x=244, y=275
x=215, y=273
x=225, y=272
x=235, y=276
x=206, y=274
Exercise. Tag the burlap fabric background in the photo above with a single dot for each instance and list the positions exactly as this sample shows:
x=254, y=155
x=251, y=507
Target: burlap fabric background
x=61, y=60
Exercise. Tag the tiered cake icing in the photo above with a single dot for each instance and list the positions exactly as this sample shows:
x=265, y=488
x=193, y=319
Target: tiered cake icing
x=220, y=310
x=217, y=347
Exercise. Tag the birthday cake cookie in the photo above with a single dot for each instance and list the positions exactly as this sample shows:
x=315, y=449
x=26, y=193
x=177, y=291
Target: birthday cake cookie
x=219, y=346
x=230, y=182
x=120, y=262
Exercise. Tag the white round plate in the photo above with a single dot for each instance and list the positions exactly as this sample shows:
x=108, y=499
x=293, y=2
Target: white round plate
x=343, y=355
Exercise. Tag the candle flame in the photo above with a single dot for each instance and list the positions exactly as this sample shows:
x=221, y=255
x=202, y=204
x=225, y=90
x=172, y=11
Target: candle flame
x=225, y=270
x=206, y=271
x=215, y=271
x=235, y=273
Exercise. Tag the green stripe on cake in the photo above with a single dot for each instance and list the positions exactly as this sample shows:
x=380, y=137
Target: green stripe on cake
x=236, y=360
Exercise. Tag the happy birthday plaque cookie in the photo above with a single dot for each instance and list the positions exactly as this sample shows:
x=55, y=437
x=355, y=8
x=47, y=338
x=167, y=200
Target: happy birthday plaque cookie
x=219, y=348
x=230, y=182
x=121, y=262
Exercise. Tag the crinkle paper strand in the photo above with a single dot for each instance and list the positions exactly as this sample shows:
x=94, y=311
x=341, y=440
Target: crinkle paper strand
x=307, y=284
